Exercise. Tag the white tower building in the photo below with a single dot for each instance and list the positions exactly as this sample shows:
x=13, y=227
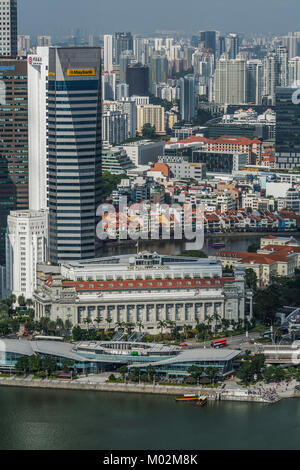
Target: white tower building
x=108, y=53
x=37, y=116
x=26, y=245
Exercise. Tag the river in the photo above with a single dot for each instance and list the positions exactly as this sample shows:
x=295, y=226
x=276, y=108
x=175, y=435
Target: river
x=176, y=247
x=58, y=419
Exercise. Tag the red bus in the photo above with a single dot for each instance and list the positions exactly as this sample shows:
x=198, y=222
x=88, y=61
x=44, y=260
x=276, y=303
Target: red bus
x=219, y=343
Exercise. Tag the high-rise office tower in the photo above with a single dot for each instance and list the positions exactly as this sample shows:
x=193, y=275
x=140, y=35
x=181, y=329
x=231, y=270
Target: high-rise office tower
x=139, y=49
x=232, y=45
x=13, y=142
x=108, y=86
x=37, y=127
x=159, y=69
x=254, y=81
x=44, y=41
x=8, y=28
x=287, y=128
x=292, y=43
x=209, y=40
x=282, y=57
x=294, y=71
x=271, y=75
x=73, y=149
x=187, y=97
x=122, y=91
x=137, y=77
x=123, y=42
x=23, y=45
x=231, y=81
x=125, y=59
x=108, y=52
x=26, y=245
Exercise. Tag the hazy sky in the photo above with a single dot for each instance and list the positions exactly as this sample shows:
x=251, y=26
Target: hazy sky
x=101, y=16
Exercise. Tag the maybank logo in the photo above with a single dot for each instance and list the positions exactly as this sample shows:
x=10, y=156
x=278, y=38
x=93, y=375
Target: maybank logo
x=81, y=72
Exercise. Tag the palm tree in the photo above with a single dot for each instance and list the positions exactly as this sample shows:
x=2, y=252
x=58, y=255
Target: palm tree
x=186, y=328
x=88, y=321
x=98, y=320
x=161, y=324
x=120, y=324
x=108, y=321
x=129, y=326
x=140, y=326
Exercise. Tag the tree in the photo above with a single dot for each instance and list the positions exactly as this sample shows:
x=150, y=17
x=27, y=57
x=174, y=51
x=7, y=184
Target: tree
x=110, y=183
x=108, y=321
x=148, y=131
x=67, y=364
x=211, y=373
x=195, y=372
x=251, y=279
x=123, y=371
x=140, y=326
x=68, y=324
x=35, y=363
x=246, y=372
x=22, y=364
x=161, y=324
x=151, y=372
x=59, y=325
x=258, y=363
x=98, y=320
x=49, y=364
x=88, y=321
x=77, y=333
x=21, y=301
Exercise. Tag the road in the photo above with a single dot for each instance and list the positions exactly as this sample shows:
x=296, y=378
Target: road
x=237, y=341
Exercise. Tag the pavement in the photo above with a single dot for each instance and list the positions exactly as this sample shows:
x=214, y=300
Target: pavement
x=236, y=341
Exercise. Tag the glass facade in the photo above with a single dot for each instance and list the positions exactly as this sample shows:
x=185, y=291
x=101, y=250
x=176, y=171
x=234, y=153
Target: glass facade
x=287, y=129
x=73, y=152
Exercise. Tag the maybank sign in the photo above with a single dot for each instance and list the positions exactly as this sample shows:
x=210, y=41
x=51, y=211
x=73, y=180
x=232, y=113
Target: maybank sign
x=81, y=72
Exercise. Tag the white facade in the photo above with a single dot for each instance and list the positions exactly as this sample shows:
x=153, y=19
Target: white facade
x=9, y=34
x=144, y=151
x=231, y=81
x=145, y=287
x=26, y=245
x=108, y=53
x=37, y=115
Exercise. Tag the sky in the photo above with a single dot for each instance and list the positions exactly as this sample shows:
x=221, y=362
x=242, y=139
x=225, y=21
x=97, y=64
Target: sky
x=59, y=17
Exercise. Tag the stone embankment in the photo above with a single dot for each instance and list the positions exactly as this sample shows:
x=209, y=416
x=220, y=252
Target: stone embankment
x=212, y=394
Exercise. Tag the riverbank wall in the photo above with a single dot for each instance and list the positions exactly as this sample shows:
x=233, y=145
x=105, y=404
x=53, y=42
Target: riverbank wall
x=212, y=394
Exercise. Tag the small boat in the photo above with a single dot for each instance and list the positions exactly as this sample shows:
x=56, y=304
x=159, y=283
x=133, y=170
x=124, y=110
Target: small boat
x=219, y=245
x=202, y=401
x=191, y=397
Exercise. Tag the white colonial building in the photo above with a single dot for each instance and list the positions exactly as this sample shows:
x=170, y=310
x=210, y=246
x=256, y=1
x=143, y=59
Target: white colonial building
x=26, y=245
x=143, y=288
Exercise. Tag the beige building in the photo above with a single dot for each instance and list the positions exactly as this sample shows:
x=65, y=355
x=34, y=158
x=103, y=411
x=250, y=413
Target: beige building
x=152, y=114
x=231, y=81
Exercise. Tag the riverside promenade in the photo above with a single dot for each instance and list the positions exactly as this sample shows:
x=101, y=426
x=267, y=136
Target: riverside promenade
x=268, y=395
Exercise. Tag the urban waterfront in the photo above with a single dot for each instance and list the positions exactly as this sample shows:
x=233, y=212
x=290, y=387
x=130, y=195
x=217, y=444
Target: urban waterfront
x=58, y=419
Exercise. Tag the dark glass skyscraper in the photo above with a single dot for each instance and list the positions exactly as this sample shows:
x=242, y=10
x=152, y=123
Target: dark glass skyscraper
x=137, y=77
x=73, y=151
x=13, y=142
x=287, y=128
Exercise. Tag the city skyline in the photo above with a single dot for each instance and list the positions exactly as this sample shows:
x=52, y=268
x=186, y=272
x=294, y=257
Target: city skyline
x=99, y=18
